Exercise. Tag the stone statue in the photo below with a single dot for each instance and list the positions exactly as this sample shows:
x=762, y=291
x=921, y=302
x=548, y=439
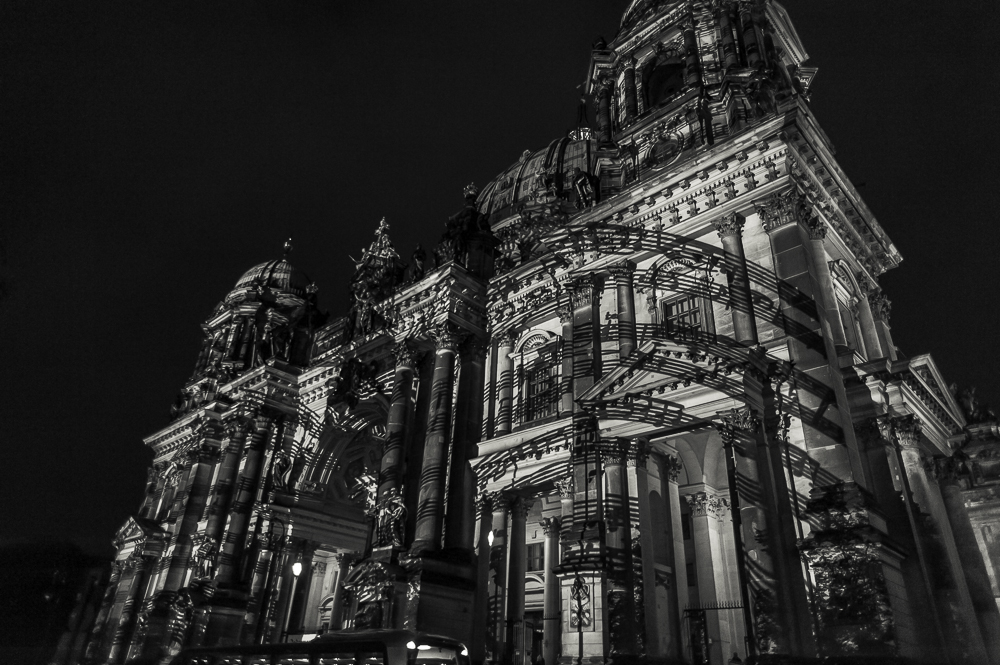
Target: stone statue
x=391, y=518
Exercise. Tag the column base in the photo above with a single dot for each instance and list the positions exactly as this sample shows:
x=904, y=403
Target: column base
x=439, y=597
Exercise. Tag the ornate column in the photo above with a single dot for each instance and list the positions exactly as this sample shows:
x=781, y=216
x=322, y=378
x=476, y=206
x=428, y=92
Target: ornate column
x=751, y=44
x=484, y=509
x=430, y=501
x=869, y=330
x=193, y=502
x=505, y=382
x=622, y=273
x=976, y=576
x=669, y=630
x=692, y=69
x=604, y=89
x=344, y=562
x=584, y=296
x=565, y=488
x=390, y=473
x=459, y=525
x=239, y=515
x=816, y=228
x=706, y=510
x=498, y=564
x=881, y=307
x=516, y=544
x=551, y=626
x=566, y=406
x=933, y=532
x=730, y=229
x=618, y=539
x=97, y=634
x=262, y=572
x=222, y=490
x=136, y=582
x=631, y=103
x=729, y=56
x=774, y=589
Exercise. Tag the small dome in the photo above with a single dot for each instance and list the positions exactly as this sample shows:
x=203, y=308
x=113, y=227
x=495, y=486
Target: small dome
x=552, y=167
x=279, y=275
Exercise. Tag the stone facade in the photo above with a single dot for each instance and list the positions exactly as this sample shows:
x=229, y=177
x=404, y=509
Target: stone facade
x=644, y=405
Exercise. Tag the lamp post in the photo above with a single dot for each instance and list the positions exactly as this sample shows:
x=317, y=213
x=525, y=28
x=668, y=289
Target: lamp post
x=296, y=571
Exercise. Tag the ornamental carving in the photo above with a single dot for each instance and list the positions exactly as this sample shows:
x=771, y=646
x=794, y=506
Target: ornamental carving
x=404, y=354
x=729, y=225
x=816, y=228
x=565, y=487
x=852, y=602
x=881, y=306
x=901, y=431
x=579, y=610
x=376, y=274
x=390, y=520
x=779, y=210
x=672, y=467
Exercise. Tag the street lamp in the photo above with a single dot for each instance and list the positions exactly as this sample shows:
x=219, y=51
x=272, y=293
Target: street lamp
x=296, y=571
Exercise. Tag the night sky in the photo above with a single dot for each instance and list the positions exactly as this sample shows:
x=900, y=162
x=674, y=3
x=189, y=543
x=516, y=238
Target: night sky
x=150, y=153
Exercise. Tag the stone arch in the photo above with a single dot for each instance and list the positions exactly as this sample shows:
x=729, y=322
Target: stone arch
x=348, y=452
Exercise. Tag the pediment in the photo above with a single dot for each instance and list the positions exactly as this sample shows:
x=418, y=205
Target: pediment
x=661, y=368
x=137, y=528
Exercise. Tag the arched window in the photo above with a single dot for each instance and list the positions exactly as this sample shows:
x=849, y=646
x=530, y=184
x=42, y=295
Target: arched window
x=538, y=369
x=662, y=78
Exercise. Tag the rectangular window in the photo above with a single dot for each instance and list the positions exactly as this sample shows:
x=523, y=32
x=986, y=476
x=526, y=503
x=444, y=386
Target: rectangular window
x=535, y=557
x=541, y=391
x=686, y=525
x=692, y=575
x=682, y=315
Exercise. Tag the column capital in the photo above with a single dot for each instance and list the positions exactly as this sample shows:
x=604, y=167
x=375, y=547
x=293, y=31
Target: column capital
x=447, y=338
x=901, y=431
x=565, y=313
x=506, y=337
x=404, y=354
x=698, y=503
x=816, y=228
x=730, y=225
x=487, y=502
x=239, y=426
x=550, y=526
x=520, y=507
x=565, y=487
x=623, y=270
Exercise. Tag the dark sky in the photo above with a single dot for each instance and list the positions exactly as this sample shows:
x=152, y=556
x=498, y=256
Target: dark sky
x=152, y=152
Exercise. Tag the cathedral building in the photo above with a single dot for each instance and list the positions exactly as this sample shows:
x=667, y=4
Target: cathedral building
x=641, y=402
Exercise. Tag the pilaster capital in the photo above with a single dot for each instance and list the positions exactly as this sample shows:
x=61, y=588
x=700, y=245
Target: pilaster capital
x=404, y=354
x=637, y=452
x=583, y=292
x=239, y=426
x=738, y=421
x=550, y=526
x=672, y=467
x=816, y=228
x=487, y=502
x=697, y=503
x=565, y=313
x=730, y=225
x=565, y=487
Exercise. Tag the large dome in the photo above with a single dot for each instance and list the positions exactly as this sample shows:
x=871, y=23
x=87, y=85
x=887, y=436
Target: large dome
x=279, y=275
x=552, y=166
